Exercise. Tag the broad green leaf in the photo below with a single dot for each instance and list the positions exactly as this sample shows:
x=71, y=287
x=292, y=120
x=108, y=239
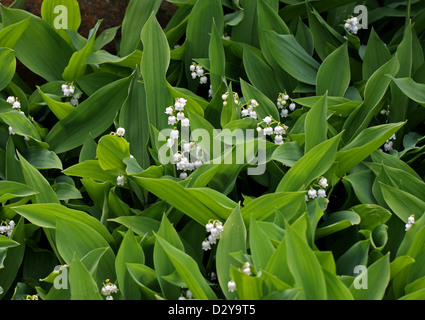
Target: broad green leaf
x=375, y=89
x=139, y=224
x=313, y=164
x=337, y=221
x=217, y=59
x=10, y=35
x=60, y=109
x=356, y=255
x=292, y=57
x=402, y=203
x=111, y=151
x=363, y=145
x=198, y=32
x=335, y=288
x=7, y=65
x=145, y=278
x=133, y=111
x=378, y=276
x=20, y=124
x=62, y=15
x=104, y=57
x=40, y=47
x=188, y=270
x=233, y=239
x=376, y=55
x=13, y=259
x=42, y=158
x=136, y=15
x=38, y=182
x=412, y=89
x=260, y=73
x=45, y=215
x=371, y=215
x=77, y=65
x=82, y=284
x=264, y=206
x=10, y=190
x=316, y=125
x=129, y=252
x=329, y=82
x=162, y=264
x=305, y=267
x=247, y=287
x=5, y=243
x=93, y=116
x=261, y=247
x=91, y=169
x=156, y=49
x=201, y=204
x=288, y=153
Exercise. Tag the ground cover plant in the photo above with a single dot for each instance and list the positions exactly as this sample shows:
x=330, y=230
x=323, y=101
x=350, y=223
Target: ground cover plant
x=250, y=149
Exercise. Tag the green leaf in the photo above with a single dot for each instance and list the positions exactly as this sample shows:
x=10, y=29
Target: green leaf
x=60, y=109
x=93, y=116
x=5, y=243
x=139, y=224
x=10, y=35
x=40, y=48
x=247, y=287
x=363, y=145
x=129, y=252
x=20, y=124
x=38, y=182
x=412, y=89
x=292, y=57
x=316, y=125
x=7, y=65
x=136, y=15
x=376, y=55
x=327, y=81
x=10, y=190
x=375, y=89
x=378, y=276
x=91, y=169
x=111, y=151
x=312, y=165
x=217, y=59
x=232, y=239
x=42, y=158
x=188, y=270
x=162, y=264
x=337, y=221
x=261, y=247
x=145, y=278
x=77, y=65
x=305, y=267
x=156, y=49
x=45, y=215
x=201, y=204
x=82, y=284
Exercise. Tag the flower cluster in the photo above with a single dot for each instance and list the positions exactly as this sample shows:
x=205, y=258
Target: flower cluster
x=182, y=159
x=178, y=108
x=6, y=227
x=320, y=192
x=231, y=286
x=278, y=131
x=248, y=110
x=215, y=228
x=15, y=103
x=69, y=91
x=108, y=289
x=410, y=222
x=225, y=96
x=246, y=268
x=197, y=71
x=189, y=295
x=285, y=104
x=352, y=25
x=389, y=144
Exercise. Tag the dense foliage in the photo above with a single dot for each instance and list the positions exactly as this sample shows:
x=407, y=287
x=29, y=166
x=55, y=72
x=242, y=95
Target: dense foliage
x=251, y=149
